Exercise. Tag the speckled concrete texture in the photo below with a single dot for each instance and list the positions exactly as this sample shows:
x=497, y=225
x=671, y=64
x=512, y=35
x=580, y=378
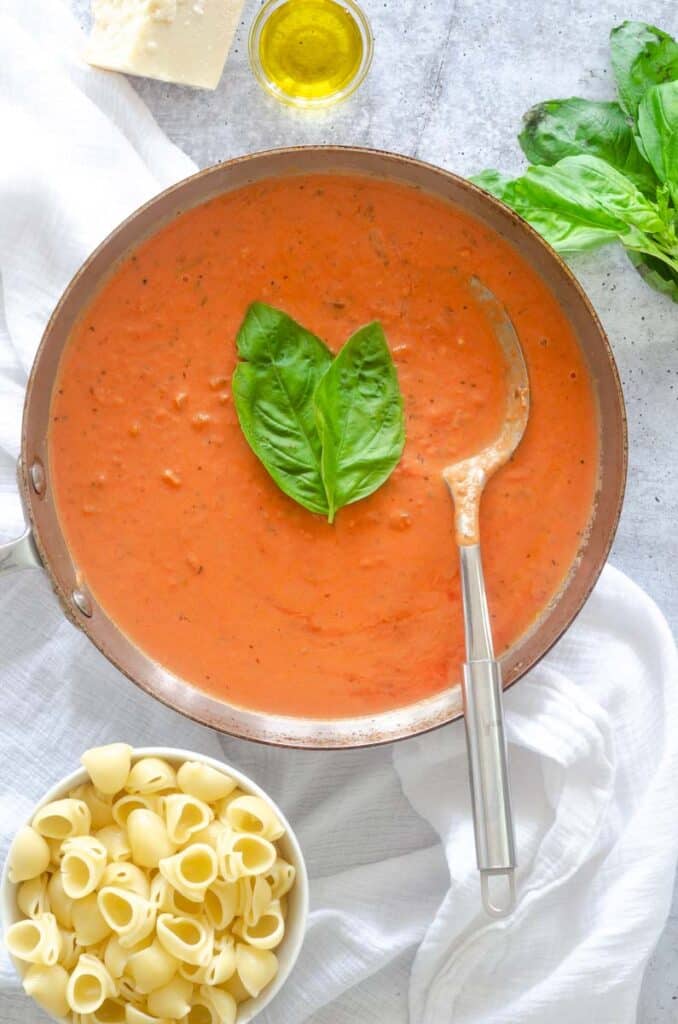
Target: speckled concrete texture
x=449, y=83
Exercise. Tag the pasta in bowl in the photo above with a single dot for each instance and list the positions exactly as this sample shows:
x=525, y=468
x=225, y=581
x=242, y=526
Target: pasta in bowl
x=154, y=886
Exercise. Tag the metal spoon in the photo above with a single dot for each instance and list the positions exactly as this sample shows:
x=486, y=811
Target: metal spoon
x=482, y=686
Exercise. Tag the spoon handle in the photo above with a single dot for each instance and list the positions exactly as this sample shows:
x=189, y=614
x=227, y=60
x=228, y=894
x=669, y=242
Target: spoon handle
x=488, y=767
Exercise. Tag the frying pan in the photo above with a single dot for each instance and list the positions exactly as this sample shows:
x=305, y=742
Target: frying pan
x=44, y=543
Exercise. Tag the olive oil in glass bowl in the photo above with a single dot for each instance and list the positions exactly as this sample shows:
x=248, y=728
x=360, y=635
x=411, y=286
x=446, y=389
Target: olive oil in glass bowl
x=310, y=53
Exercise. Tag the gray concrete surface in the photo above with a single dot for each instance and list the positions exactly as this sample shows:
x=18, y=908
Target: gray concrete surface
x=450, y=81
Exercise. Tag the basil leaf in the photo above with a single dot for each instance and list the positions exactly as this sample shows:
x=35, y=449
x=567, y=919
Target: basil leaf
x=560, y=128
x=359, y=415
x=567, y=230
x=497, y=184
x=658, y=127
x=273, y=391
x=656, y=273
x=580, y=203
x=588, y=188
x=597, y=176
x=642, y=56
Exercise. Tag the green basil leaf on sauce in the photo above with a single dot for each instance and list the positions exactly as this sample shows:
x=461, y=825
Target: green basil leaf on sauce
x=574, y=127
x=642, y=56
x=273, y=390
x=658, y=128
x=360, y=420
x=328, y=431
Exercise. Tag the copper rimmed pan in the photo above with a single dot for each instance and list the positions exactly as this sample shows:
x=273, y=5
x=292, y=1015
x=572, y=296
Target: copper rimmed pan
x=44, y=543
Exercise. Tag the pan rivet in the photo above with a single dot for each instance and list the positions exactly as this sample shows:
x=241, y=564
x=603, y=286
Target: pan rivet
x=37, y=475
x=82, y=602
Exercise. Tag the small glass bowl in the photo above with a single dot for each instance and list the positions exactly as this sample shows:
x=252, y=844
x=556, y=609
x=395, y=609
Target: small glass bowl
x=311, y=102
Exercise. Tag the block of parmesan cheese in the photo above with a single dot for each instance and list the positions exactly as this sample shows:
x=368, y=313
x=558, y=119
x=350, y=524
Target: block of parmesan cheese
x=184, y=41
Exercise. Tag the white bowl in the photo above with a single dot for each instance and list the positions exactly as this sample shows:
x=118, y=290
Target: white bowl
x=289, y=948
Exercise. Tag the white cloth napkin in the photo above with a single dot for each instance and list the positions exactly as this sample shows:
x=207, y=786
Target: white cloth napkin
x=387, y=832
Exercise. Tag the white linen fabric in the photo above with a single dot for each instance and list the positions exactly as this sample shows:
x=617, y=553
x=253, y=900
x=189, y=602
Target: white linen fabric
x=387, y=832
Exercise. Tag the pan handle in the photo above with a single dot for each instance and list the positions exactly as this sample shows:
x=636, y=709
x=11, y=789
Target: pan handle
x=20, y=553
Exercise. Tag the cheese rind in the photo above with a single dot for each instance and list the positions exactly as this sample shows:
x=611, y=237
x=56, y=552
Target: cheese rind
x=183, y=41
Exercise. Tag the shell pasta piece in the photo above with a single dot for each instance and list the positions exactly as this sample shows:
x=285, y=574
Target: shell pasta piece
x=108, y=767
x=126, y=876
x=161, y=895
x=32, y=898
x=172, y=1000
x=37, y=941
x=70, y=950
x=235, y=987
x=54, y=853
x=124, y=805
x=189, y=939
x=184, y=816
x=29, y=855
x=211, y=1006
x=252, y=814
x=195, y=973
x=191, y=871
x=219, y=969
x=89, y=924
x=148, y=838
x=126, y=913
x=82, y=865
x=221, y=900
x=222, y=966
x=255, y=967
x=268, y=931
x=281, y=878
x=211, y=833
x=169, y=901
x=151, y=968
x=100, y=805
x=115, y=957
x=150, y=775
x=222, y=1004
x=63, y=819
x=204, y=782
x=129, y=994
x=89, y=985
x=135, y=1015
x=255, y=896
x=60, y=904
x=243, y=853
x=221, y=806
x=115, y=839
x=47, y=985
x=111, y=1011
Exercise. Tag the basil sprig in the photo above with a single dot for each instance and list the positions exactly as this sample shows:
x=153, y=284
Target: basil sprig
x=328, y=430
x=604, y=172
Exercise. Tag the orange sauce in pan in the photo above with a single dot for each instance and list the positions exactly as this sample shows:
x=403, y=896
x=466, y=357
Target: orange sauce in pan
x=192, y=549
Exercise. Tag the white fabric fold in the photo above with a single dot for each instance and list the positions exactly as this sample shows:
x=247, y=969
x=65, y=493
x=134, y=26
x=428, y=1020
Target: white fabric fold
x=594, y=759
x=387, y=832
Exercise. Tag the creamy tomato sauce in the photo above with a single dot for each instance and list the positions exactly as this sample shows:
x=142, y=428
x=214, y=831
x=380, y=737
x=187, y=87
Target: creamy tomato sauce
x=189, y=545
